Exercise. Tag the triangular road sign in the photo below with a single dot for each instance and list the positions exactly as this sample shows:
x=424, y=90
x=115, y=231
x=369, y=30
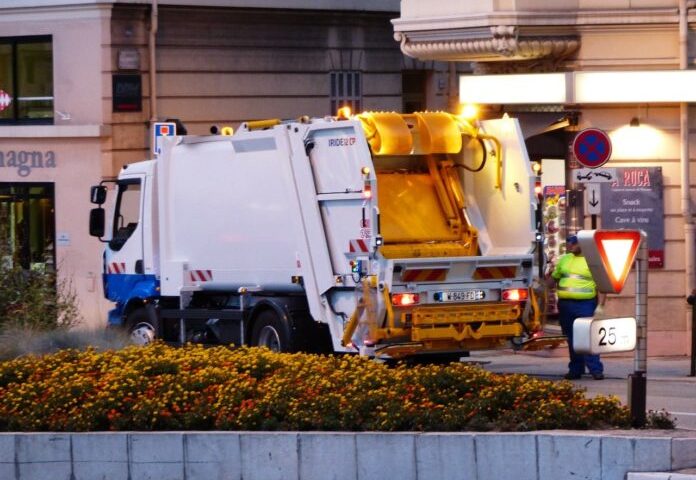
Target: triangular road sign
x=609, y=254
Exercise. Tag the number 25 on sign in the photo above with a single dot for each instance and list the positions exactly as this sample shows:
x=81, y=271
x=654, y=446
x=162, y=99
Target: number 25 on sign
x=596, y=335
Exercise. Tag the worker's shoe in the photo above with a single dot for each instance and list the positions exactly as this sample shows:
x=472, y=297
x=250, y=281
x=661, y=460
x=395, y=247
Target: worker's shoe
x=572, y=376
x=598, y=376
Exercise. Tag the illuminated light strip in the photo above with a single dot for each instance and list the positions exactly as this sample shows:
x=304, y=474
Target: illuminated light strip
x=655, y=86
x=513, y=89
x=493, y=273
x=424, y=275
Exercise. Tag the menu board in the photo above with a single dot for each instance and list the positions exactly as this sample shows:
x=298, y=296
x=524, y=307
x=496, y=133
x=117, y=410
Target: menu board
x=635, y=201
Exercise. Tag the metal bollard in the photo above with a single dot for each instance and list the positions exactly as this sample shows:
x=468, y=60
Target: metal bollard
x=637, y=381
x=691, y=300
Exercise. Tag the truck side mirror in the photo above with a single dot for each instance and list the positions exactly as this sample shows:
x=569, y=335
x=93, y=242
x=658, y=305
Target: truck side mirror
x=96, y=222
x=98, y=194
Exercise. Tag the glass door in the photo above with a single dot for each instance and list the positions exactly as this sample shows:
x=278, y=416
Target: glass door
x=27, y=225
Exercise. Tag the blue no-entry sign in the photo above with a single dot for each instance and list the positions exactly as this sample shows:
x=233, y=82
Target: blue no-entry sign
x=592, y=147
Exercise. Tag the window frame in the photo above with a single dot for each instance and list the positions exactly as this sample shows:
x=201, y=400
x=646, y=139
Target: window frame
x=340, y=81
x=127, y=182
x=14, y=41
x=26, y=195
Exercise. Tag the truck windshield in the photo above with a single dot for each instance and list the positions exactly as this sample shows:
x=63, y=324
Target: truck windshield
x=127, y=212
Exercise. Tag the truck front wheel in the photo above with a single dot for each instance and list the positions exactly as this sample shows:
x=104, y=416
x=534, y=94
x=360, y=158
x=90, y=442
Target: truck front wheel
x=271, y=332
x=141, y=329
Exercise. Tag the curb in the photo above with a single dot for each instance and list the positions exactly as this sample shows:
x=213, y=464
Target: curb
x=661, y=476
x=548, y=455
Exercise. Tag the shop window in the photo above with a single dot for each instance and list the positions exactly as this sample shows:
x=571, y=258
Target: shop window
x=345, y=91
x=27, y=225
x=26, y=80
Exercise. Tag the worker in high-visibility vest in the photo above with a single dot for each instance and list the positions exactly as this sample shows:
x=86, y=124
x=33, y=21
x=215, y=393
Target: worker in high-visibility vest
x=577, y=297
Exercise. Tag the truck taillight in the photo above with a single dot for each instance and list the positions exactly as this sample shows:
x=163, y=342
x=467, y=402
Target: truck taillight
x=515, y=294
x=367, y=191
x=405, y=299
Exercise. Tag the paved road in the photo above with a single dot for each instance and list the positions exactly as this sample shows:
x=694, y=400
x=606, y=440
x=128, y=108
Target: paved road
x=669, y=386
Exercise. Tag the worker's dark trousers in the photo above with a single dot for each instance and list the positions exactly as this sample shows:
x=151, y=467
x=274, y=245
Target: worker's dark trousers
x=568, y=311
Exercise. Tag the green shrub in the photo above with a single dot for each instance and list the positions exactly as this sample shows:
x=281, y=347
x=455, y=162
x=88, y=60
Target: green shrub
x=35, y=300
x=660, y=419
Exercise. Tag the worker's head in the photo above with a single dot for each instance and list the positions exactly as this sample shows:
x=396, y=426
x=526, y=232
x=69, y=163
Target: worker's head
x=572, y=245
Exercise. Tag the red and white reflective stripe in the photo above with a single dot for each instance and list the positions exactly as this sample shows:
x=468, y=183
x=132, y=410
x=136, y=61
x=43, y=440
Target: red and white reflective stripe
x=495, y=273
x=116, y=267
x=358, y=245
x=200, y=275
x=424, y=275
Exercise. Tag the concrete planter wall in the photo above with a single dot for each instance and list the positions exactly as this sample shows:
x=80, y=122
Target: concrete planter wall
x=350, y=456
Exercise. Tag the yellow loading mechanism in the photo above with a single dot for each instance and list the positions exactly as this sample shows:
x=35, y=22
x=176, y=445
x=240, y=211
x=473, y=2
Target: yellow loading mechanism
x=422, y=208
x=420, y=196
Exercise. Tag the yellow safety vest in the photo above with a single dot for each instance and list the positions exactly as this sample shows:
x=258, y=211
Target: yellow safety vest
x=574, y=278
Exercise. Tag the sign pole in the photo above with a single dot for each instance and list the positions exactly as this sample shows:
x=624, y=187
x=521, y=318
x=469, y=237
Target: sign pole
x=691, y=300
x=637, y=381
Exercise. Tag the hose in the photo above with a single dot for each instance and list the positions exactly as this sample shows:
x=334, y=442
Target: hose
x=483, y=160
x=471, y=131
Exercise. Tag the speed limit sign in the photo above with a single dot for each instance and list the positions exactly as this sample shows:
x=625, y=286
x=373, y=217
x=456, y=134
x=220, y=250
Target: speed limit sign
x=604, y=335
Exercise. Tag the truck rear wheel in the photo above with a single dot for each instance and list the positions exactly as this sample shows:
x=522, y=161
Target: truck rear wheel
x=271, y=332
x=141, y=329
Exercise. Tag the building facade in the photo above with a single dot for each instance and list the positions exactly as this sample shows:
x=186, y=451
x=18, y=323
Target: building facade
x=82, y=80
x=505, y=37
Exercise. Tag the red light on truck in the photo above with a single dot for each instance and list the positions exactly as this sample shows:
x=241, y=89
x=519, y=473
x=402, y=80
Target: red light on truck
x=367, y=191
x=515, y=294
x=405, y=299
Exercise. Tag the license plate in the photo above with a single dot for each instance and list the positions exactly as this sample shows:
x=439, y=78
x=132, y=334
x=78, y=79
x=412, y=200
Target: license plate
x=461, y=296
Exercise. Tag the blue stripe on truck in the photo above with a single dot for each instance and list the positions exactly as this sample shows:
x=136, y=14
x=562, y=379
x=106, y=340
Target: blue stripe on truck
x=121, y=288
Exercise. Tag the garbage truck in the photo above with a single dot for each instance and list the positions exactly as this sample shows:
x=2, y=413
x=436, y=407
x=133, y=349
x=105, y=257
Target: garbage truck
x=392, y=235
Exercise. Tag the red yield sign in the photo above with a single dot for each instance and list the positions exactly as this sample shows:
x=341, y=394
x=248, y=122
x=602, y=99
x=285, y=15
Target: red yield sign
x=609, y=254
x=592, y=147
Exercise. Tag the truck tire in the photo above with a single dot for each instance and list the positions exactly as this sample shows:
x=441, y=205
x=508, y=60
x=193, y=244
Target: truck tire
x=142, y=330
x=271, y=332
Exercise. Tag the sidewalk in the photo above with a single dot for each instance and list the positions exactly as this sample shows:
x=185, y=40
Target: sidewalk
x=668, y=387
x=554, y=364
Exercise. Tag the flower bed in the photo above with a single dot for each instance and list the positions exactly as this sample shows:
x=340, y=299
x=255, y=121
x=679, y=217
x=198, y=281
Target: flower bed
x=195, y=388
